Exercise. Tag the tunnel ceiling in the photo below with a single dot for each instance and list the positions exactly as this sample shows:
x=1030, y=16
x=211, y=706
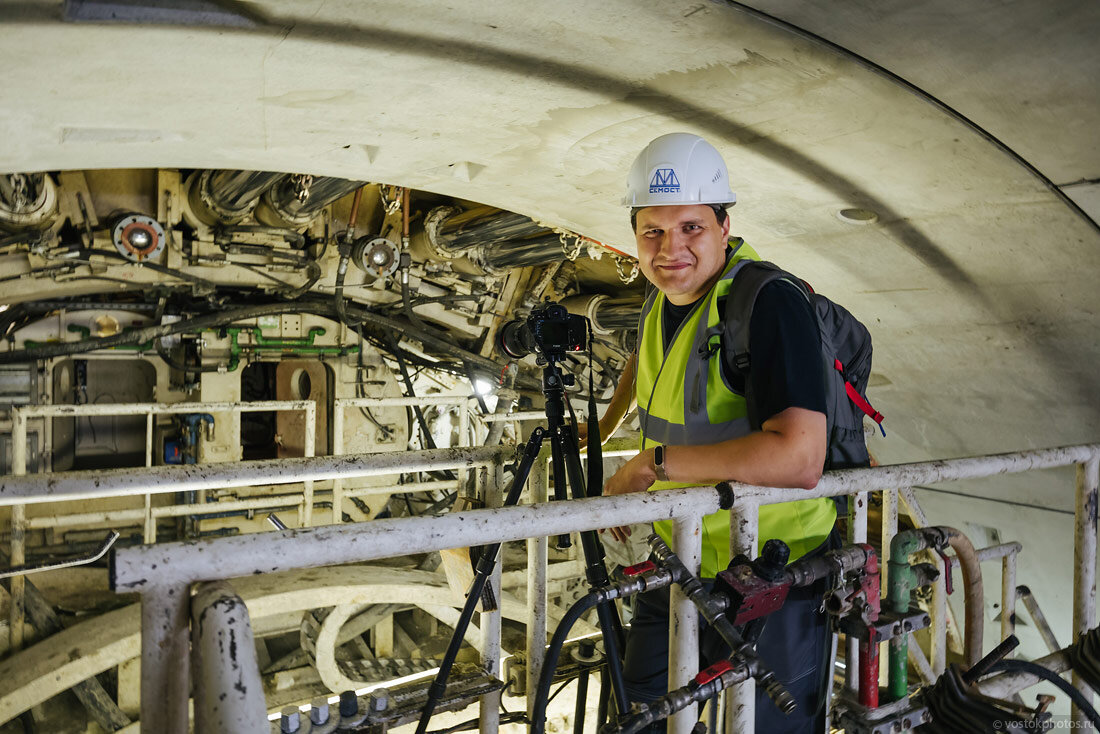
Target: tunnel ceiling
x=968, y=132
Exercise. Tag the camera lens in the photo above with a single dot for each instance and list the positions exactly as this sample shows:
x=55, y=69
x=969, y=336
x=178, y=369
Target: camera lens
x=515, y=339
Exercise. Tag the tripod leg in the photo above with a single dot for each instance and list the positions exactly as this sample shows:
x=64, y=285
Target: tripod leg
x=557, y=462
x=595, y=570
x=485, y=567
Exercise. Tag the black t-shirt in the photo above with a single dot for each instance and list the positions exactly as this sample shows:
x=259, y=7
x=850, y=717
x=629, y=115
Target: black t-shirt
x=784, y=349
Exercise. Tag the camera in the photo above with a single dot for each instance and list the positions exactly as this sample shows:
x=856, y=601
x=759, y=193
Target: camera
x=550, y=330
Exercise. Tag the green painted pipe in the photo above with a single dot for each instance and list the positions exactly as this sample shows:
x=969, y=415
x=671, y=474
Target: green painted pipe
x=901, y=583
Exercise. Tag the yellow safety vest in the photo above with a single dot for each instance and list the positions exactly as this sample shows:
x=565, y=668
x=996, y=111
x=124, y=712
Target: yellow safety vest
x=684, y=399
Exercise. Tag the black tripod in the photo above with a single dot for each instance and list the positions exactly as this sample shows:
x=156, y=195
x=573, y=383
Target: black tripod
x=565, y=460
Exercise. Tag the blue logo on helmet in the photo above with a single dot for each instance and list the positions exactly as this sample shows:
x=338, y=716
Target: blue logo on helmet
x=664, y=181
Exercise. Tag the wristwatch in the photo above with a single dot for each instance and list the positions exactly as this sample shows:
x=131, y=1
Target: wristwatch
x=659, y=463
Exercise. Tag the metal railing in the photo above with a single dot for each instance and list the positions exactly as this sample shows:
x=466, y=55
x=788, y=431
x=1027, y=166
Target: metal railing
x=165, y=675
x=148, y=515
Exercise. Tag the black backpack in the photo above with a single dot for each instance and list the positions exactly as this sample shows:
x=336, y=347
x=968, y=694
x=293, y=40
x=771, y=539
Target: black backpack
x=845, y=353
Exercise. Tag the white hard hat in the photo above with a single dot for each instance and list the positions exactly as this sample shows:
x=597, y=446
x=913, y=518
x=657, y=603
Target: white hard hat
x=678, y=168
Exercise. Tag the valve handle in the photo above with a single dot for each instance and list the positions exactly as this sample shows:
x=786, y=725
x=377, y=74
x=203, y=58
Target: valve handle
x=639, y=568
x=714, y=671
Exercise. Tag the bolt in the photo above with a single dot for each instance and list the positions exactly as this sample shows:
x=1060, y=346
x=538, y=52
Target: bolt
x=318, y=711
x=140, y=239
x=378, y=701
x=290, y=720
x=349, y=704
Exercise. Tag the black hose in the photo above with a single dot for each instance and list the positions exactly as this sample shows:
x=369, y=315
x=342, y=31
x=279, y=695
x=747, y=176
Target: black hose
x=212, y=321
x=164, y=270
x=553, y=652
x=1026, y=666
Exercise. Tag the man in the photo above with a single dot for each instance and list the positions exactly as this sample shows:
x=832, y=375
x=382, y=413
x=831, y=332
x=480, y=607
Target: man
x=694, y=415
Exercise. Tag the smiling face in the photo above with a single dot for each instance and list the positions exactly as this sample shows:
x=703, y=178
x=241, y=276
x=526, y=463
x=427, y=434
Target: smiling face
x=681, y=249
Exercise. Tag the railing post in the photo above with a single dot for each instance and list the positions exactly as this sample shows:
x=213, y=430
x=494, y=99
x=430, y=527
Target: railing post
x=1008, y=595
x=309, y=449
x=740, y=708
x=537, y=558
x=337, y=450
x=889, y=530
x=1084, y=564
x=683, y=630
x=229, y=696
x=18, y=531
x=489, y=714
x=857, y=533
x=165, y=659
x=150, y=531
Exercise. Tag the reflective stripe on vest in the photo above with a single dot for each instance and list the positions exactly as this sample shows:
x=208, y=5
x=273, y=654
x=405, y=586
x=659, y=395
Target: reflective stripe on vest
x=684, y=399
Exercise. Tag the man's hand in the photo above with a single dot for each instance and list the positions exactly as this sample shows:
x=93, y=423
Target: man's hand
x=636, y=475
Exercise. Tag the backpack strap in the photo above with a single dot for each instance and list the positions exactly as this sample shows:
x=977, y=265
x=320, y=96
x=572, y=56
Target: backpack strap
x=737, y=316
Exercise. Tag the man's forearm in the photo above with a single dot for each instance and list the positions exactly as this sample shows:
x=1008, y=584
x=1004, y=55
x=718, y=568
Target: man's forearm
x=622, y=401
x=789, y=451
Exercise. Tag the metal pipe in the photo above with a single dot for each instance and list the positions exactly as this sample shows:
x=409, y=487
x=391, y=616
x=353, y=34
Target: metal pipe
x=149, y=533
x=298, y=199
x=94, y=409
x=227, y=196
x=459, y=232
x=193, y=477
x=27, y=201
x=606, y=314
x=524, y=253
x=229, y=557
x=124, y=482
x=740, y=700
x=998, y=552
x=1037, y=616
x=847, y=481
x=402, y=402
x=889, y=530
x=17, y=589
x=683, y=631
x=490, y=621
x=165, y=658
x=916, y=656
x=309, y=447
x=974, y=598
x=229, y=695
x=1084, y=564
x=67, y=563
x=338, y=493
x=1008, y=596
x=537, y=573
x=857, y=534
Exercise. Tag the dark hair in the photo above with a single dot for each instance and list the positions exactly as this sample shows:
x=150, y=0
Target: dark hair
x=720, y=214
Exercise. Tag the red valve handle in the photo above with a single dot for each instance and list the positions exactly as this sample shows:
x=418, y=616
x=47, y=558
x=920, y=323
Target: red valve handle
x=639, y=568
x=714, y=671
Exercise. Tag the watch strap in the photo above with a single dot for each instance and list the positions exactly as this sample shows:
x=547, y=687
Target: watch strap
x=659, y=463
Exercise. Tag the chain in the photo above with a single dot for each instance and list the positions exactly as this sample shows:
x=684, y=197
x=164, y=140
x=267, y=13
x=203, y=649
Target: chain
x=578, y=244
x=626, y=278
x=302, y=182
x=393, y=205
x=21, y=191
